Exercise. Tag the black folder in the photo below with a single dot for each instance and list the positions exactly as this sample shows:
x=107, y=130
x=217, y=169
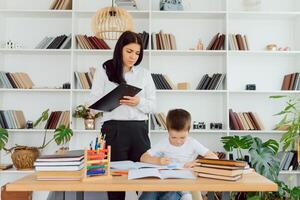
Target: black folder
x=112, y=100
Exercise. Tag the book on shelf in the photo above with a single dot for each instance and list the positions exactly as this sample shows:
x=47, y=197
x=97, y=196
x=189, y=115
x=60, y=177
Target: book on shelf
x=16, y=80
x=244, y=121
x=288, y=160
x=162, y=174
x=58, y=118
x=145, y=39
x=84, y=80
x=238, y=42
x=162, y=82
x=61, y=5
x=12, y=119
x=291, y=82
x=163, y=41
x=217, y=42
x=5, y=166
x=214, y=82
x=58, y=42
x=158, y=121
x=90, y=42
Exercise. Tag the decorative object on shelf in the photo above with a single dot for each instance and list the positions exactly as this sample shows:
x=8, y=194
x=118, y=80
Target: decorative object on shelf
x=66, y=86
x=89, y=116
x=23, y=157
x=183, y=86
x=250, y=87
x=110, y=22
x=290, y=122
x=29, y=124
x=199, y=46
x=284, y=48
x=252, y=4
x=171, y=5
x=12, y=45
x=214, y=125
x=127, y=4
x=271, y=47
x=199, y=125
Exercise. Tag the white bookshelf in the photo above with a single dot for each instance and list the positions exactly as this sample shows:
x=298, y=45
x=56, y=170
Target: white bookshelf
x=28, y=22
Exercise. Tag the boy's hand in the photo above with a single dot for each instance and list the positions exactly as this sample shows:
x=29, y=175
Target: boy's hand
x=165, y=161
x=190, y=164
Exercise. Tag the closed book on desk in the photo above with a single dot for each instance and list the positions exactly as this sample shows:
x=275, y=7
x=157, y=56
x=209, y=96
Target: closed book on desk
x=112, y=100
x=222, y=162
x=215, y=171
x=219, y=177
x=75, y=155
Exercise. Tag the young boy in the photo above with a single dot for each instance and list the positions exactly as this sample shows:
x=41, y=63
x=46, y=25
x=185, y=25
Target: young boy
x=177, y=148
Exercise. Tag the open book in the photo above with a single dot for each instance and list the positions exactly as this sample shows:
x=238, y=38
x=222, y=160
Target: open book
x=127, y=164
x=162, y=174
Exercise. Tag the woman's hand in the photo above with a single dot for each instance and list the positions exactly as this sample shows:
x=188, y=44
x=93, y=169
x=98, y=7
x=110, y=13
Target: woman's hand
x=130, y=101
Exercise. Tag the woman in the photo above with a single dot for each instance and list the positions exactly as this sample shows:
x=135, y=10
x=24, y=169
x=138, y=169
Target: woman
x=126, y=127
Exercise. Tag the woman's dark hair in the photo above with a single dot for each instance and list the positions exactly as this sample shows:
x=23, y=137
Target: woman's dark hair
x=114, y=67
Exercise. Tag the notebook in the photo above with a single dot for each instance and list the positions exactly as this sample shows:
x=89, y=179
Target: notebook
x=162, y=174
x=112, y=100
x=128, y=164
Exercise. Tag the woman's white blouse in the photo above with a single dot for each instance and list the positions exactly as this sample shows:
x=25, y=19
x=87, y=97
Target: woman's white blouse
x=138, y=77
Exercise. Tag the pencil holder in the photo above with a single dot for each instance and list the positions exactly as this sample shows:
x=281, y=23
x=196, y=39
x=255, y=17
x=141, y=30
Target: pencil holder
x=97, y=164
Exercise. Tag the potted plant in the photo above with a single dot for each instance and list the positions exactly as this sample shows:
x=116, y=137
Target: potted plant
x=238, y=143
x=290, y=122
x=89, y=116
x=23, y=157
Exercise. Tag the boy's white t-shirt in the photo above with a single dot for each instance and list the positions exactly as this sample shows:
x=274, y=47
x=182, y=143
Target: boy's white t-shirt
x=179, y=154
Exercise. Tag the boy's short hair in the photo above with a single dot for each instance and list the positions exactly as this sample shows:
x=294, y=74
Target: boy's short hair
x=178, y=119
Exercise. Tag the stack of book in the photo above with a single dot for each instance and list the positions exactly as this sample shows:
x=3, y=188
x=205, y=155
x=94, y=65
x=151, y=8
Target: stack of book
x=217, y=42
x=67, y=166
x=84, y=80
x=162, y=82
x=19, y=80
x=145, y=39
x=61, y=5
x=58, y=118
x=220, y=169
x=12, y=119
x=163, y=41
x=244, y=121
x=90, y=42
x=158, y=121
x=291, y=82
x=58, y=42
x=238, y=42
x=211, y=83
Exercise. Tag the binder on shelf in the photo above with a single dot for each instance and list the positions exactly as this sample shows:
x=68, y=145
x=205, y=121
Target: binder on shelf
x=112, y=100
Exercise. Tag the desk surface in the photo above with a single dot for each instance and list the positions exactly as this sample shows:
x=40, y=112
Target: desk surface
x=249, y=182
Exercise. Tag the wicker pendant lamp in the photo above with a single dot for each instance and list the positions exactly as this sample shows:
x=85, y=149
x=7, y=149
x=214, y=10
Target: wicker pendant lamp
x=110, y=22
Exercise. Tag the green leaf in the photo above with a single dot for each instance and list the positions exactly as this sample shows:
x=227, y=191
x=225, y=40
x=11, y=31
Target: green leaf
x=62, y=134
x=3, y=137
x=277, y=96
x=295, y=192
x=42, y=118
x=263, y=158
